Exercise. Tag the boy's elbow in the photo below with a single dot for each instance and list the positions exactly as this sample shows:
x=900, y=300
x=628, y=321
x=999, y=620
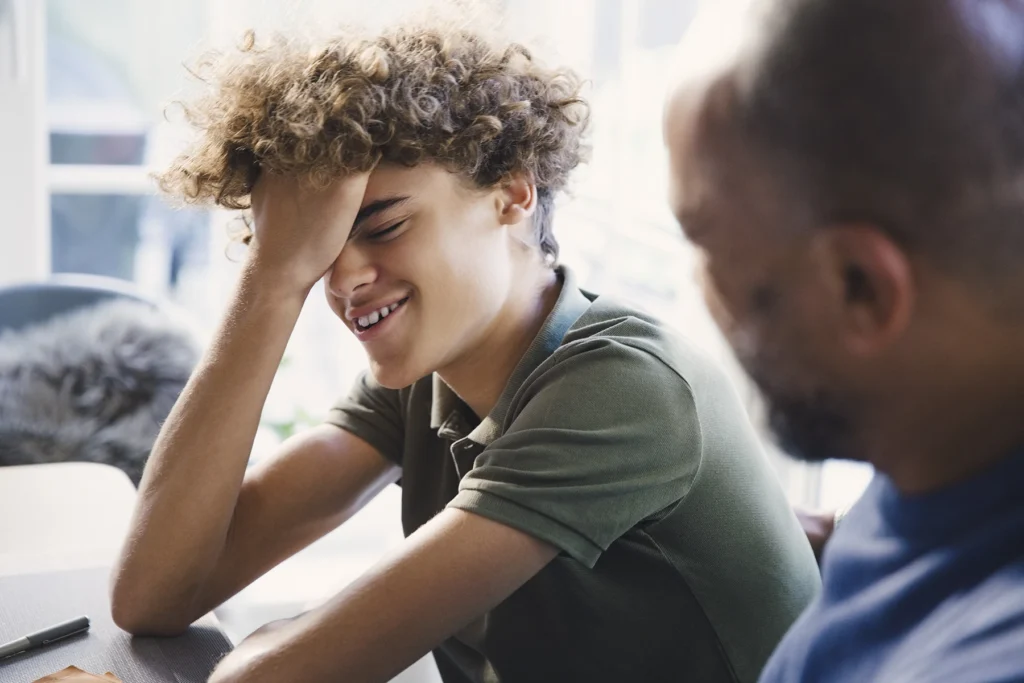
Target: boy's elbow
x=130, y=613
x=142, y=624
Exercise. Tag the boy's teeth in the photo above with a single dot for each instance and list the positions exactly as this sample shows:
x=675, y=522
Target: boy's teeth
x=376, y=316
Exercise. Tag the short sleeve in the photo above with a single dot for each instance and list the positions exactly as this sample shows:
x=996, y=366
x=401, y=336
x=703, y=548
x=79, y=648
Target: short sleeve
x=374, y=414
x=603, y=439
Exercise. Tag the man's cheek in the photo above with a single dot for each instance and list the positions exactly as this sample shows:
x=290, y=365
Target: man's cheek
x=743, y=331
x=718, y=305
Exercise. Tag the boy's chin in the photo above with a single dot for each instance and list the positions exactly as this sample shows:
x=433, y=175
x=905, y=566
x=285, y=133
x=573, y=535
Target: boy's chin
x=392, y=376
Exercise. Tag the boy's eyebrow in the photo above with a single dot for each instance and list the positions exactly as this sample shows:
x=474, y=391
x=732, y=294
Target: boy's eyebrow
x=373, y=208
x=376, y=207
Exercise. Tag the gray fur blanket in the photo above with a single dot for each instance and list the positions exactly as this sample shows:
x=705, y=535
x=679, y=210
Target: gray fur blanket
x=91, y=385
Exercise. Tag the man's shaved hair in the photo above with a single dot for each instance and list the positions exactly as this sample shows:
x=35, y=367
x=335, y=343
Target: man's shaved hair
x=908, y=114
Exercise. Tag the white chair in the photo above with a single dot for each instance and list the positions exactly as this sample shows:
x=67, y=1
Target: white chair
x=52, y=512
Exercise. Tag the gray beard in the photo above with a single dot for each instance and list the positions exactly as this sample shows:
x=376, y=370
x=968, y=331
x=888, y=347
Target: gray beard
x=812, y=425
x=810, y=428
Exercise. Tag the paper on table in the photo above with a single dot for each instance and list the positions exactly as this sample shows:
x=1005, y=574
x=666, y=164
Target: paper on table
x=73, y=674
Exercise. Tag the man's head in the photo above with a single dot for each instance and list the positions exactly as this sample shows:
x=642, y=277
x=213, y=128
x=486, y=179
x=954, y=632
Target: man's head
x=854, y=177
x=468, y=138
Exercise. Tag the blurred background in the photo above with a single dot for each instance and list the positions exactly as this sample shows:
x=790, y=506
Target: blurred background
x=83, y=90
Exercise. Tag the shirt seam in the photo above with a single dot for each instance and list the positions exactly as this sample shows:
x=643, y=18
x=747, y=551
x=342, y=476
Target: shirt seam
x=696, y=598
x=363, y=429
x=596, y=551
x=661, y=361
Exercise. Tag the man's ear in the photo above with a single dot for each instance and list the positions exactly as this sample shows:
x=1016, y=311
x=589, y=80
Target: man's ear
x=517, y=199
x=869, y=281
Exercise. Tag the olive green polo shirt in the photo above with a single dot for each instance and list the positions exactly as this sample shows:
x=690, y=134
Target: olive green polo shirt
x=625, y=448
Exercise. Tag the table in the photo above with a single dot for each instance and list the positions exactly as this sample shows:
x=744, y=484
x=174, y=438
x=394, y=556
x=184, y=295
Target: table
x=61, y=527
x=74, y=515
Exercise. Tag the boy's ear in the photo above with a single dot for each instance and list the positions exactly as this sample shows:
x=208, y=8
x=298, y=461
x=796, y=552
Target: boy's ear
x=517, y=200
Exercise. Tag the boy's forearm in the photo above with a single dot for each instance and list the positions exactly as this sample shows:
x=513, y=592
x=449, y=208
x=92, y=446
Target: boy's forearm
x=452, y=570
x=190, y=487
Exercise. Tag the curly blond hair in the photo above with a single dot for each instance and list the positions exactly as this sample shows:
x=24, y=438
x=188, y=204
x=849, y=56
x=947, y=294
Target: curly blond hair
x=411, y=94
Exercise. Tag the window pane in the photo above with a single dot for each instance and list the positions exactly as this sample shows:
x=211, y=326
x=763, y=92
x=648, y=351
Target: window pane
x=70, y=147
x=112, y=66
x=95, y=234
x=131, y=237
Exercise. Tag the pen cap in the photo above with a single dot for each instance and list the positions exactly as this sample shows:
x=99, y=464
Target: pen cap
x=59, y=631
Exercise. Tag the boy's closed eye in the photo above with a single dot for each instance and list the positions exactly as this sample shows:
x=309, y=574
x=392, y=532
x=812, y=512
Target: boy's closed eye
x=383, y=233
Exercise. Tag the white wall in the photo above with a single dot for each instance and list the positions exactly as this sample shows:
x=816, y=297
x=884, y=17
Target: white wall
x=24, y=202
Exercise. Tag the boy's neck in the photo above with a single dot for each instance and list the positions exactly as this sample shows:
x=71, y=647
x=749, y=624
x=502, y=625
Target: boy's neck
x=479, y=377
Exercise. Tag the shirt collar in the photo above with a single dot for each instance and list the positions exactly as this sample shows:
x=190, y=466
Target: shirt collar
x=448, y=411
x=940, y=515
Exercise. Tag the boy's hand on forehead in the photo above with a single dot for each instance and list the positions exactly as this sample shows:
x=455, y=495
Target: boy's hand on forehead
x=299, y=231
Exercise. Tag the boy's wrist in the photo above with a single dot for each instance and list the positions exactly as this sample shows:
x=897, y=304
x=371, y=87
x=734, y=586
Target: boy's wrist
x=275, y=281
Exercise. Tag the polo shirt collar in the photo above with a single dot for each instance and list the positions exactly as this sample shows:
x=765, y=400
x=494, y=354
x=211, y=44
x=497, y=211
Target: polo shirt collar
x=448, y=411
x=443, y=403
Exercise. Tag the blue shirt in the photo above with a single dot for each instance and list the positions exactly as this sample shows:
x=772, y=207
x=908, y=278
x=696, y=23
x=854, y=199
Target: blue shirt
x=919, y=588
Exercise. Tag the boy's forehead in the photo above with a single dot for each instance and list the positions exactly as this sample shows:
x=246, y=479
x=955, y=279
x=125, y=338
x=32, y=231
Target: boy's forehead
x=425, y=181
x=387, y=178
